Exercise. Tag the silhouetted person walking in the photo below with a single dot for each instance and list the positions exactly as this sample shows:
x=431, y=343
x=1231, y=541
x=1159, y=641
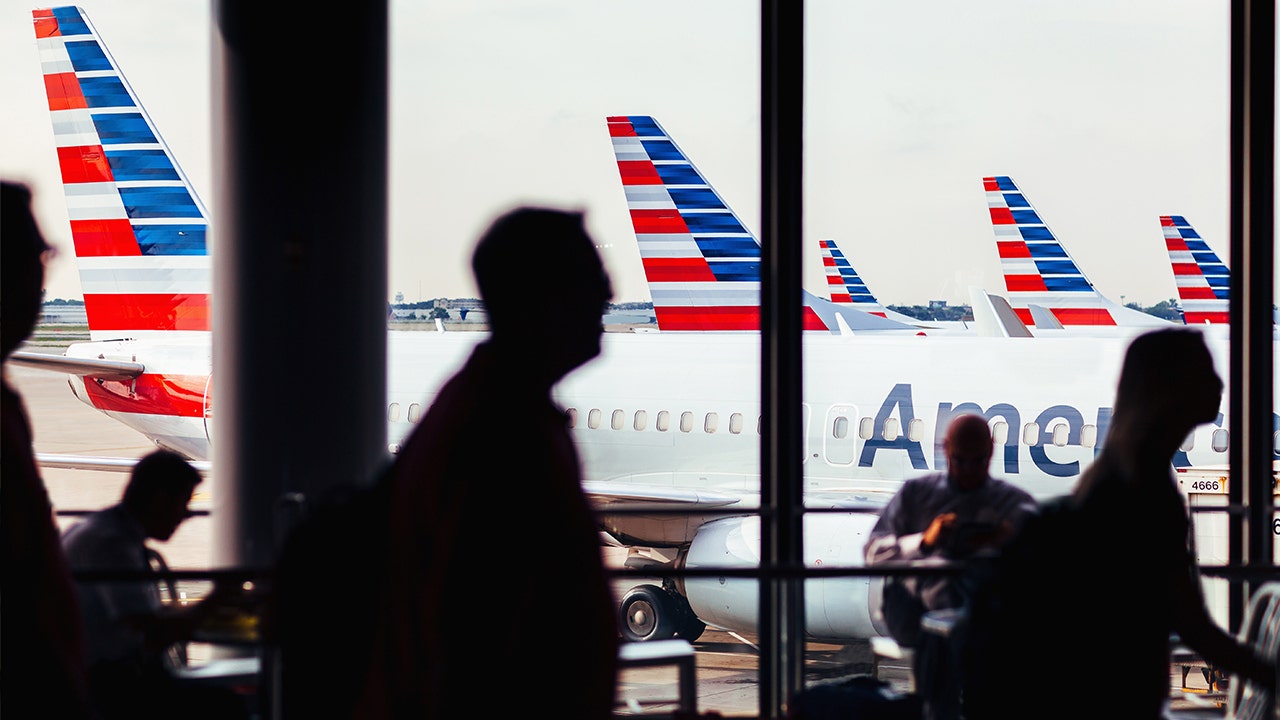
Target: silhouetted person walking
x=1093, y=588
x=494, y=550
x=41, y=659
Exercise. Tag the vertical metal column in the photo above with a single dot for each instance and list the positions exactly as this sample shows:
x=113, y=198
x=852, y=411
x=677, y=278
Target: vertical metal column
x=781, y=362
x=1252, y=254
x=300, y=260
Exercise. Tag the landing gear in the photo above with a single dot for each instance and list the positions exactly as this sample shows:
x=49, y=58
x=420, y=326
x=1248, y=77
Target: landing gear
x=648, y=612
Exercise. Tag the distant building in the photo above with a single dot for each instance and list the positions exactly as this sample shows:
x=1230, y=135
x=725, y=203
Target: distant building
x=937, y=304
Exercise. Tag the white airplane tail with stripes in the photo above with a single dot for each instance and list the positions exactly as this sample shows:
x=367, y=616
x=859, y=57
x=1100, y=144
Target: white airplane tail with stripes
x=701, y=262
x=1038, y=270
x=1204, y=283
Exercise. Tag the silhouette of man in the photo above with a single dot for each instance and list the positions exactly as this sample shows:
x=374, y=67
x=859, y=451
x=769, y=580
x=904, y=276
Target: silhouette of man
x=944, y=517
x=493, y=544
x=128, y=629
x=41, y=661
x=1106, y=573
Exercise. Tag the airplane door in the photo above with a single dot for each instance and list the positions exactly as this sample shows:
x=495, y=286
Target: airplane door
x=840, y=435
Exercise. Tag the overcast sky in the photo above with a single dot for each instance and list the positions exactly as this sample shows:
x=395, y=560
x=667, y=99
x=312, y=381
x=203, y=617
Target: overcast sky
x=1106, y=114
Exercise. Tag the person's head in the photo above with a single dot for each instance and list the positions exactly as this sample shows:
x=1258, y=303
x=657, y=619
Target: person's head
x=968, y=448
x=22, y=251
x=1168, y=380
x=159, y=489
x=543, y=286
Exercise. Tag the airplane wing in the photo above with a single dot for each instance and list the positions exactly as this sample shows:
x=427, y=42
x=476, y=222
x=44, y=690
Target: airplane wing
x=107, y=464
x=105, y=369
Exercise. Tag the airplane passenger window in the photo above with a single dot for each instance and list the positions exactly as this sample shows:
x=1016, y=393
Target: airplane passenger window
x=415, y=412
x=915, y=430
x=1189, y=442
x=1061, y=434
x=735, y=423
x=866, y=428
x=593, y=418
x=664, y=421
x=616, y=420
x=759, y=424
x=840, y=428
x=641, y=420
x=1275, y=441
x=1220, y=440
x=1000, y=432
x=891, y=428
x=1031, y=434
x=1089, y=436
x=711, y=423
x=393, y=412
x=686, y=421
x=573, y=417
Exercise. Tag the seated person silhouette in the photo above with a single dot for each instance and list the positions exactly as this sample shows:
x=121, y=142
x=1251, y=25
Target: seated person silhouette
x=127, y=628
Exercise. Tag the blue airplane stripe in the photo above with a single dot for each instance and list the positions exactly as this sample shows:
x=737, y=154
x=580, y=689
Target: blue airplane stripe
x=1026, y=217
x=1218, y=281
x=1209, y=263
x=1221, y=294
x=861, y=296
x=735, y=271
x=662, y=150
x=171, y=239
x=679, y=175
x=1188, y=233
x=1057, y=267
x=1004, y=182
x=1046, y=251
x=840, y=261
x=105, y=92
x=1016, y=200
x=1035, y=232
x=1198, y=246
x=728, y=247
x=1178, y=220
x=140, y=165
x=850, y=276
x=713, y=223
x=87, y=55
x=1067, y=284
x=695, y=199
x=122, y=129
x=162, y=202
x=645, y=126
x=69, y=21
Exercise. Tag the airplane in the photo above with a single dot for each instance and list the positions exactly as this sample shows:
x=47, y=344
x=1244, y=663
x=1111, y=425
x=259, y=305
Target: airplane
x=1039, y=271
x=662, y=421
x=848, y=288
x=1204, y=283
x=701, y=262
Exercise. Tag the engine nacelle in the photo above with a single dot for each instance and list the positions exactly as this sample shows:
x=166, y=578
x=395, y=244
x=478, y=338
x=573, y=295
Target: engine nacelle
x=837, y=609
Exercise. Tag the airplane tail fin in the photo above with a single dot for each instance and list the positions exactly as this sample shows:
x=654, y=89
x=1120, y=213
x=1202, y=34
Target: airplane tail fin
x=138, y=227
x=844, y=283
x=1204, y=283
x=701, y=262
x=1039, y=271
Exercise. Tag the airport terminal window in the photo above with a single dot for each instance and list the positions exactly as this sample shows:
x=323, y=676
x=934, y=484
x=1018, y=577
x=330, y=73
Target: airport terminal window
x=735, y=423
x=711, y=423
x=686, y=421
x=593, y=418
x=641, y=420
x=617, y=419
x=663, y=422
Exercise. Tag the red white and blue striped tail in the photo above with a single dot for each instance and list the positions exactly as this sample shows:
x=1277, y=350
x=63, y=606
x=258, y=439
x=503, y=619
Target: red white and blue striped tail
x=1038, y=270
x=701, y=262
x=139, y=229
x=844, y=283
x=1204, y=283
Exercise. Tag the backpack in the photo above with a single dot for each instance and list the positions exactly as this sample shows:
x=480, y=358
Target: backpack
x=326, y=594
